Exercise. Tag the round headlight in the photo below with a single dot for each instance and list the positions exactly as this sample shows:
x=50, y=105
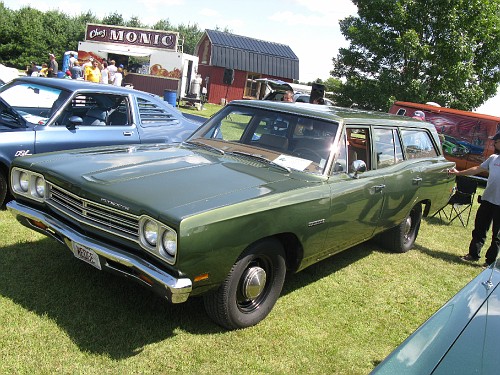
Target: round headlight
x=169, y=242
x=150, y=230
x=24, y=181
x=40, y=187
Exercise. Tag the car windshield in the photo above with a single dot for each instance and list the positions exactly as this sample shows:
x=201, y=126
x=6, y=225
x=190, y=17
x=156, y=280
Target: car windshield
x=291, y=140
x=36, y=103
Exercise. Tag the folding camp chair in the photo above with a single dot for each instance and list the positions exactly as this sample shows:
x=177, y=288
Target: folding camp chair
x=461, y=201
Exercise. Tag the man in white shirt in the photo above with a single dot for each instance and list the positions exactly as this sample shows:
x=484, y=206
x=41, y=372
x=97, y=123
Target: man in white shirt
x=112, y=71
x=489, y=210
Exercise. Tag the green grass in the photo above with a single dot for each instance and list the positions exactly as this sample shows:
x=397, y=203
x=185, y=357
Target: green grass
x=340, y=316
x=207, y=111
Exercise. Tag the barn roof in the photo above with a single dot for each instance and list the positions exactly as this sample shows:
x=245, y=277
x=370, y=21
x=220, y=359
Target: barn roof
x=252, y=55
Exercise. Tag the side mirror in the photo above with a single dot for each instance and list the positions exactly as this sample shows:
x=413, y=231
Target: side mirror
x=357, y=167
x=74, y=121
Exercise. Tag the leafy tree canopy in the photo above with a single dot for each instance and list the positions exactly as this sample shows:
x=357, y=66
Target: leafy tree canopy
x=420, y=50
x=29, y=35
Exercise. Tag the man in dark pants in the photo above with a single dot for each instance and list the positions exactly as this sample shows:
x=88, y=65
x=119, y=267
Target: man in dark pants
x=489, y=209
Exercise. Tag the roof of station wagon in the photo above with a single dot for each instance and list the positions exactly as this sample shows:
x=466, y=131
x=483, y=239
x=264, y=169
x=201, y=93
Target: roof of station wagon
x=332, y=113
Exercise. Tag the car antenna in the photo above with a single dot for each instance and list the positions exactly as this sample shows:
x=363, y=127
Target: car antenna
x=488, y=283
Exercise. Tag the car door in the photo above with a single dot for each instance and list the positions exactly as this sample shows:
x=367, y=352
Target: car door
x=356, y=198
x=95, y=127
x=403, y=177
x=430, y=172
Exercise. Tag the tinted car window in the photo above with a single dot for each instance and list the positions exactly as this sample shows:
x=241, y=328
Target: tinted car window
x=418, y=144
x=96, y=109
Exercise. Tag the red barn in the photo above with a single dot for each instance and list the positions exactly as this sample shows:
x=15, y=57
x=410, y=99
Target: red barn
x=229, y=65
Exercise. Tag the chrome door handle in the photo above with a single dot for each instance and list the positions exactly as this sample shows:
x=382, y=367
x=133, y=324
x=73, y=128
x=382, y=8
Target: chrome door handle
x=417, y=180
x=378, y=188
x=128, y=134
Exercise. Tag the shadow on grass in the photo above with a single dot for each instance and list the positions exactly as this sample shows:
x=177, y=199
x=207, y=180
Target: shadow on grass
x=102, y=313
x=328, y=266
x=106, y=314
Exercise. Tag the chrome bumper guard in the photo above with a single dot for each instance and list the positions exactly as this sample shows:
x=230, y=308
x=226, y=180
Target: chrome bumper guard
x=125, y=264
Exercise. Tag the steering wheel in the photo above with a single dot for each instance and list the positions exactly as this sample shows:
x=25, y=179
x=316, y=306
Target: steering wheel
x=307, y=153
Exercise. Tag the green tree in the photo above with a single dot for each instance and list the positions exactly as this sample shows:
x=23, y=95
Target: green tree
x=420, y=50
x=115, y=19
x=190, y=35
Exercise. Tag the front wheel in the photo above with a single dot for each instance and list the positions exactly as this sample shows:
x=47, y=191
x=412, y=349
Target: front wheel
x=400, y=239
x=252, y=287
x=3, y=189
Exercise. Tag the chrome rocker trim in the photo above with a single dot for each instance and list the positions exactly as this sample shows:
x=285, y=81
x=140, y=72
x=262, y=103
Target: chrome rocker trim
x=130, y=266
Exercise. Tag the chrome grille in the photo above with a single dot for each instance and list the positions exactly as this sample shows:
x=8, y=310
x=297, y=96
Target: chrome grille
x=94, y=214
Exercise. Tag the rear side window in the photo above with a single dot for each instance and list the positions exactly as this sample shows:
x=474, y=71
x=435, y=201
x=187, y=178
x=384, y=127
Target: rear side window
x=387, y=147
x=418, y=144
x=152, y=114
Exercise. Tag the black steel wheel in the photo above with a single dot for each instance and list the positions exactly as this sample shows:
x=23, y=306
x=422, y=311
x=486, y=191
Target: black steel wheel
x=400, y=239
x=252, y=287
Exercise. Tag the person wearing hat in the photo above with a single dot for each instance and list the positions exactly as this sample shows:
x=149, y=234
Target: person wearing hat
x=488, y=212
x=419, y=115
x=53, y=66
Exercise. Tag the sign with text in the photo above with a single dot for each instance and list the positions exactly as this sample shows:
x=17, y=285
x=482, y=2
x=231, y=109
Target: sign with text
x=132, y=37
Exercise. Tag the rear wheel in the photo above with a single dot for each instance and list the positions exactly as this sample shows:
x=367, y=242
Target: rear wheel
x=252, y=287
x=400, y=239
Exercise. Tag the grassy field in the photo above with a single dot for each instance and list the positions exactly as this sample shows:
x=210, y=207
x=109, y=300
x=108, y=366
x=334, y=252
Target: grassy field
x=207, y=111
x=341, y=316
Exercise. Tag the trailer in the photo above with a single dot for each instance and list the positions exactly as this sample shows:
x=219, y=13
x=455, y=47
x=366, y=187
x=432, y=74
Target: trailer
x=153, y=60
x=465, y=136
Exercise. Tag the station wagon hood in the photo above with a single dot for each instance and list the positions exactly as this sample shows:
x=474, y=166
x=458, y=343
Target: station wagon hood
x=158, y=178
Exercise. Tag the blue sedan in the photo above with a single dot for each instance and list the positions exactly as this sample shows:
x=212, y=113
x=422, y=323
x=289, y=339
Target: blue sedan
x=50, y=114
x=462, y=337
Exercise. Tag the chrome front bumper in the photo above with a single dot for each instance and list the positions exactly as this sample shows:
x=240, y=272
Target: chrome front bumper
x=112, y=258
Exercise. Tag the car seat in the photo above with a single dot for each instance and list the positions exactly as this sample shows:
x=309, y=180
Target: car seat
x=95, y=116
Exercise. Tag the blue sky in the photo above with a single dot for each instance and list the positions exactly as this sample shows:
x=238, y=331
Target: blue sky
x=309, y=27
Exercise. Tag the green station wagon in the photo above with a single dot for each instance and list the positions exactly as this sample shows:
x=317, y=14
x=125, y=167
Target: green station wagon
x=261, y=189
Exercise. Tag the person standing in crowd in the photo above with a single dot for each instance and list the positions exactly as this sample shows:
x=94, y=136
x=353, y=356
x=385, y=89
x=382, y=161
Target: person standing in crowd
x=32, y=70
x=489, y=209
x=118, y=76
x=112, y=71
x=72, y=60
x=67, y=75
x=288, y=96
x=76, y=70
x=87, y=65
x=53, y=66
x=44, y=71
x=93, y=74
x=104, y=73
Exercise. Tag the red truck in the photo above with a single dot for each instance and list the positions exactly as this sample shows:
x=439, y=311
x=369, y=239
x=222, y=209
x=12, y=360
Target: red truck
x=464, y=135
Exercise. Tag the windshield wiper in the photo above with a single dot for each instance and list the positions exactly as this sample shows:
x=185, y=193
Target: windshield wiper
x=204, y=145
x=261, y=159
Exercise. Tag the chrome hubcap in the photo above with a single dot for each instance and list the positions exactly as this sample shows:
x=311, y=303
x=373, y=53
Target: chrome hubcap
x=254, y=281
x=407, y=227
